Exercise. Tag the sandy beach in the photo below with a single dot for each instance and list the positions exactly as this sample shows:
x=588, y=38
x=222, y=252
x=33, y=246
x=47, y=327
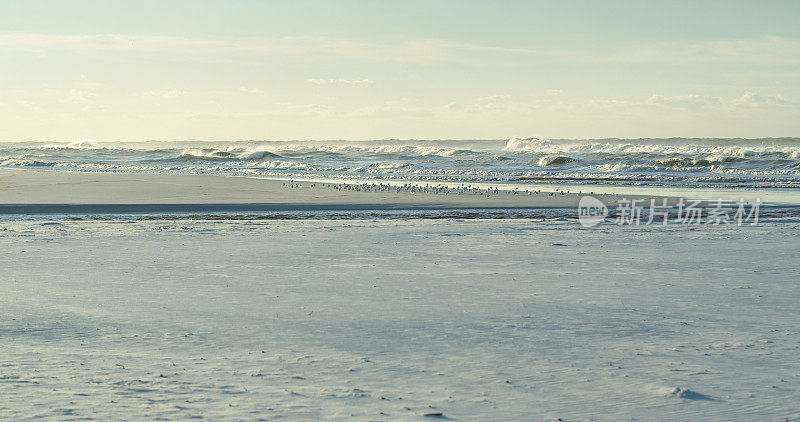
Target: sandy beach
x=395, y=320
x=175, y=316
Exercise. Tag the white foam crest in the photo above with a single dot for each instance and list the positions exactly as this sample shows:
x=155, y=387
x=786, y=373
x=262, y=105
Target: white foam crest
x=225, y=153
x=21, y=162
x=624, y=147
x=79, y=145
x=282, y=165
x=379, y=149
x=394, y=165
x=527, y=145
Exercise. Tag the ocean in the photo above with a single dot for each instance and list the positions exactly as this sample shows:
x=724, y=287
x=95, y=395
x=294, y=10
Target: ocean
x=699, y=167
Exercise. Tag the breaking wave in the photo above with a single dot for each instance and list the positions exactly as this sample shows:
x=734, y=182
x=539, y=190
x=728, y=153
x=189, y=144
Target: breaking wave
x=554, y=160
x=229, y=154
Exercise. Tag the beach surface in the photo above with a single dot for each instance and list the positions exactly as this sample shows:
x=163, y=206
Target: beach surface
x=398, y=319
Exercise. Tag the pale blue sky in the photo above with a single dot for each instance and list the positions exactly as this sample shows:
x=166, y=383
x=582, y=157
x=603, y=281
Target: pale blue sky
x=141, y=70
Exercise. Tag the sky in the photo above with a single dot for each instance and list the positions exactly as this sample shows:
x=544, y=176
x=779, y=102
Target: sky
x=110, y=70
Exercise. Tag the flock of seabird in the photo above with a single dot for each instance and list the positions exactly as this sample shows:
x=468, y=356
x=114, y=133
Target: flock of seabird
x=434, y=189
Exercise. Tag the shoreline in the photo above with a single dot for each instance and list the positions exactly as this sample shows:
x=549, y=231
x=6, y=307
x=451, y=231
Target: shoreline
x=62, y=191
x=65, y=193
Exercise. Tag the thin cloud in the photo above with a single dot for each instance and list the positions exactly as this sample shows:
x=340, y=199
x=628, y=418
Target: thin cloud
x=754, y=99
x=338, y=81
x=251, y=90
x=691, y=100
x=165, y=94
x=761, y=50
